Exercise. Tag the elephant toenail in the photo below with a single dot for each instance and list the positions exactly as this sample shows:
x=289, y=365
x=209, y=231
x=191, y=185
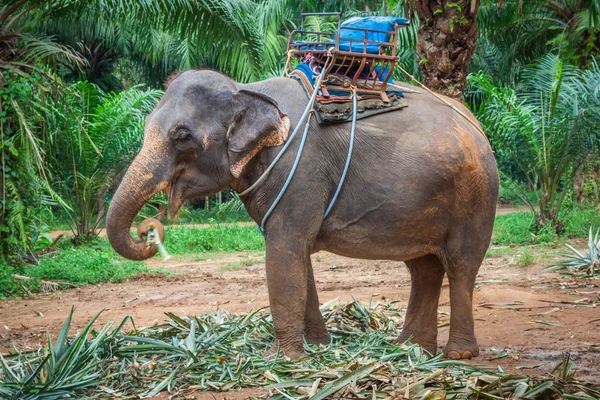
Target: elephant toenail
x=453, y=355
x=467, y=354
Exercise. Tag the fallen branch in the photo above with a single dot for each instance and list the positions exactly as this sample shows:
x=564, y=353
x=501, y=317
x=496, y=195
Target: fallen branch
x=47, y=286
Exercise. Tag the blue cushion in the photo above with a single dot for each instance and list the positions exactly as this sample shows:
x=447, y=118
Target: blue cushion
x=377, y=23
x=359, y=47
x=305, y=69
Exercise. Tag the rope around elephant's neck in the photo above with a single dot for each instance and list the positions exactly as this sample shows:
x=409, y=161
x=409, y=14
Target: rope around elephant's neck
x=437, y=96
x=290, y=175
x=297, y=161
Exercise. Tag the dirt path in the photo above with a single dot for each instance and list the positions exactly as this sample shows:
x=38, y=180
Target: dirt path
x=547, y=314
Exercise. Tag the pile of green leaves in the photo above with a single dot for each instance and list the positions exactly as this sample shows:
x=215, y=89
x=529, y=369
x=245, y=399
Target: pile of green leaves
x=220, y=351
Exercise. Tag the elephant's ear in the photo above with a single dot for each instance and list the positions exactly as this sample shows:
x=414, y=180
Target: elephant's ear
x=258, y=123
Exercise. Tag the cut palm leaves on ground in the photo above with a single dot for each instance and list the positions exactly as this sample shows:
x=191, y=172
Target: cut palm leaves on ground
x=221, y=351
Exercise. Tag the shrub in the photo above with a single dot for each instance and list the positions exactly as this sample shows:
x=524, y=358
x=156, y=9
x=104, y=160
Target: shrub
x=8, y=284
x=517, y=228
x=85, y=265
x=73, y=266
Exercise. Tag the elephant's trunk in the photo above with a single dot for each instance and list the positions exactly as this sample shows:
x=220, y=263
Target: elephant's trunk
x=140, y=183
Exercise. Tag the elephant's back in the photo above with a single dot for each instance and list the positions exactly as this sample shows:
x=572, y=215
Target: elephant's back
x=429, y=156
x=427, y=146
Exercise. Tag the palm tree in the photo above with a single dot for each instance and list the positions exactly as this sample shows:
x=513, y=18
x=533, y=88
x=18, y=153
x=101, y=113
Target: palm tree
x=25, y=86
x=37, y=39
x=447, y=41
x=94, y=137
x=547, y=125
x=514, y=33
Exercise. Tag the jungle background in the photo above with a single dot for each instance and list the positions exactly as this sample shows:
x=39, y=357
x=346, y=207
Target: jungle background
x=78, y=78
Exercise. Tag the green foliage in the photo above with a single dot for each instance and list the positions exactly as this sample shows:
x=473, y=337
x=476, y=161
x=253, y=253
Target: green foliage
x=67, y=368
x=218, y=238
x=519, y=228
x=24, y=185
x=579, y=220
x=95, y=136
x=526, y=258
x=513, y=33
x=510, y=196
x=237, y=37
x=84, y=266
x=547, y=126
x=25, y=87
x=214, y=215
x=8, y=284
x=72, y=266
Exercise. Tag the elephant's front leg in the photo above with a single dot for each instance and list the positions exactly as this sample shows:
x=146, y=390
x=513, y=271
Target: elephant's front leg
x=287, y=266
x=315, y=331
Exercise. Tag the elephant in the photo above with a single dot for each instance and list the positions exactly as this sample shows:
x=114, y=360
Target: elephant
x=421, y=188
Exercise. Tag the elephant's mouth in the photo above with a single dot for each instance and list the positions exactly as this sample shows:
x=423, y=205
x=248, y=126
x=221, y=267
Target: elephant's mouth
x=176, y=192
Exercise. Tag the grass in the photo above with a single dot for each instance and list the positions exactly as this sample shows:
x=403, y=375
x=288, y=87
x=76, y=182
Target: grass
x=526, y=258
x=517, y=228
x=243, y=264
x=500, y=251
x=221, y=351
x=195, y=215
x=96, y=263
x=181, y=240
x=72, y=266
x=214, y=215
x=512, y=229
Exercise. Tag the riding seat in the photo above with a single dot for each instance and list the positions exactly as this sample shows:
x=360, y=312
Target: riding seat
x=359, y=58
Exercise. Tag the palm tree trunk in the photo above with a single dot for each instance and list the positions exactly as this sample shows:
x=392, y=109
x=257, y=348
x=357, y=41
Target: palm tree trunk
x=447, y=40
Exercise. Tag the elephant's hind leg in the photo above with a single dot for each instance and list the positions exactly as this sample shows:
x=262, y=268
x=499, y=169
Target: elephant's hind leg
x=420, y=324
x=462, y=264
x=315, y=331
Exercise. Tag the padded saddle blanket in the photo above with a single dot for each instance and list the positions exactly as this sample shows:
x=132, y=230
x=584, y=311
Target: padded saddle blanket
x=338, y=106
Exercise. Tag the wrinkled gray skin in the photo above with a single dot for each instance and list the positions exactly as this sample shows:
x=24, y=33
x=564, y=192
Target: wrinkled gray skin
x=421, y=188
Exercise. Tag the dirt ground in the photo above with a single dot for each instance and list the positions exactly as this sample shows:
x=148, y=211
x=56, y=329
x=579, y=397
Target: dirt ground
x=533, y=315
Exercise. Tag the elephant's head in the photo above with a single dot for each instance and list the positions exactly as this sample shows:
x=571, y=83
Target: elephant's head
x=197, y=142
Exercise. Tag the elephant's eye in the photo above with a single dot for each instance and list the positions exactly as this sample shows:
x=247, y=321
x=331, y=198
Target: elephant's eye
x=181, y=135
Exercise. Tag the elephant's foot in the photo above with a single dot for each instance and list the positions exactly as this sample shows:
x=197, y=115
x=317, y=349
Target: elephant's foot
x=457, y=350
x=318, y=337
x=293, y=352
x=428, y=343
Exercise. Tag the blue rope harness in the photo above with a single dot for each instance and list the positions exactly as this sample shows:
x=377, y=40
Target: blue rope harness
x=350, y=148
x=308, y=112
x=290, y=175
